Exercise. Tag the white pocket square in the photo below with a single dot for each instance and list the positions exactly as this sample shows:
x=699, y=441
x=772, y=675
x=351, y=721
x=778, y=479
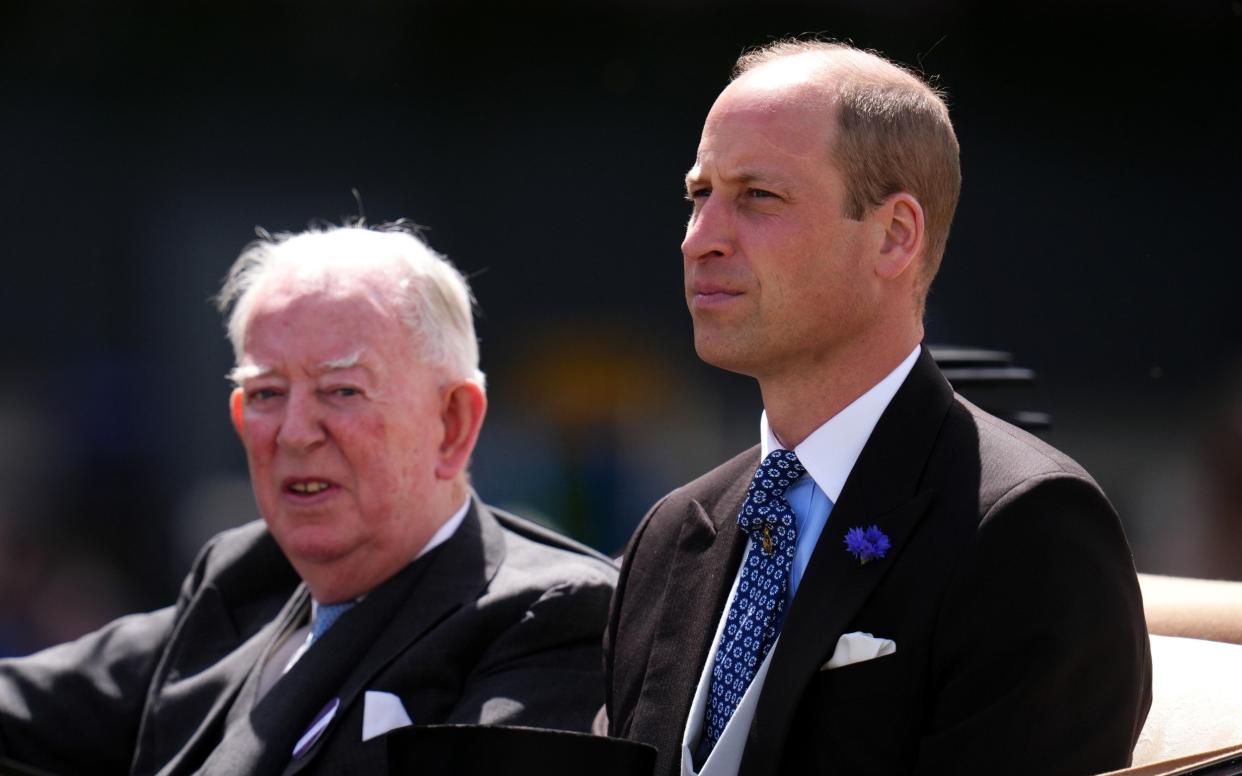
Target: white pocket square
x=857, y=647
x=382, y=712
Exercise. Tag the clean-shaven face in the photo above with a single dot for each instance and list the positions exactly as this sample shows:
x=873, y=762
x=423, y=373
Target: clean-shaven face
x=773, y=269
x=340, y=422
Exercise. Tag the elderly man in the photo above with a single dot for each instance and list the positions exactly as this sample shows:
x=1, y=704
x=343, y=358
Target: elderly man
x=892, y=581
x=378, y=591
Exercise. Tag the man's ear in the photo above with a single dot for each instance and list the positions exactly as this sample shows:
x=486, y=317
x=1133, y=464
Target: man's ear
x=462, y=408
x=901, y=219
x=236, y=401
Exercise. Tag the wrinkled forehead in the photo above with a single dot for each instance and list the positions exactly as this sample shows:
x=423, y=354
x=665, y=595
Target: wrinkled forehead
x=315, y=333
x=313, y=318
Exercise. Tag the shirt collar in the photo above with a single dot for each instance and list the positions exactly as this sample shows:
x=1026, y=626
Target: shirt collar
x=830, y=451
x=448, y=529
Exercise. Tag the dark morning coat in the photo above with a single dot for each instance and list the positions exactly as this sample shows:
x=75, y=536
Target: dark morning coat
x=500, y=624
x=1009, y=590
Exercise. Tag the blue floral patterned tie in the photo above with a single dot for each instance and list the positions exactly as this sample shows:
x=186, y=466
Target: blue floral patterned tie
x=759, y=604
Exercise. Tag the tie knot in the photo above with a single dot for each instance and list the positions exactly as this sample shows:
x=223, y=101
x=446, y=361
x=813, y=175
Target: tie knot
x=765, y=503
x=780, y=470
x=326, y=615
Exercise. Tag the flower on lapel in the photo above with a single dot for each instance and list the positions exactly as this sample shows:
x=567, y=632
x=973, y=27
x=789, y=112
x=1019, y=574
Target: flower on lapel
x=867, y=544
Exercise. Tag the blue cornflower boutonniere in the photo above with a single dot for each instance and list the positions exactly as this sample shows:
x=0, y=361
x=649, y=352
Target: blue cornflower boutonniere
x=867, y=544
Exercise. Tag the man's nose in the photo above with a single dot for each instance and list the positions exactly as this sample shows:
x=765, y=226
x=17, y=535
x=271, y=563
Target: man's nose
x=709, y=232
x=301, y=428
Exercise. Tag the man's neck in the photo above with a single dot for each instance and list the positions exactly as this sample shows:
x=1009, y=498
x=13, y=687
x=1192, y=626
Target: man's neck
x=372, y=565
x=799, y=401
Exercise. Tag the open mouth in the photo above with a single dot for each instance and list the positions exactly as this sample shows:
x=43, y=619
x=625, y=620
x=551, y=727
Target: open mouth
x=306, y=488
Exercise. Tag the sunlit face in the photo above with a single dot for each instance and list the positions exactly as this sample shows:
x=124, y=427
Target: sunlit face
x=774, y=270
x=341, y=425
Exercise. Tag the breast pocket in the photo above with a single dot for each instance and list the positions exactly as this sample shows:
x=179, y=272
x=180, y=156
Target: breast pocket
x=878, y=676
x=857, y=719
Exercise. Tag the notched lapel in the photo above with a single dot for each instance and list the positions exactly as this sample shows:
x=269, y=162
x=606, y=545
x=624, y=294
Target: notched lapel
x=708, y=551
x=698, y=532
x=240, y=671
x=207, y=633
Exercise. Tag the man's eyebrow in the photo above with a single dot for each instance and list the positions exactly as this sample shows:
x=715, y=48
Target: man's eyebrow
x=741, y=177
x=345, y=362
x=352, y=361
x=239, y=374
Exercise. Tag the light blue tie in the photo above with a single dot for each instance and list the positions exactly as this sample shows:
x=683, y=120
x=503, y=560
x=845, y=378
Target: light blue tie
x=758, y=606
x=326, y=615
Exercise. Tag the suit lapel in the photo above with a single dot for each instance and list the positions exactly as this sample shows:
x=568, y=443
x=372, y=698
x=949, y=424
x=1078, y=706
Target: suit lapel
x=707, y=554
x=396, y=616
x=294, y=615
x=213, y=636
x=260, y=732
x=882, y=490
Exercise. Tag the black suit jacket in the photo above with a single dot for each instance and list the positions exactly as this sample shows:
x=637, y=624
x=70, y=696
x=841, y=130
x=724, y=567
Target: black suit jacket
x=1009, y=590
x=501, y=624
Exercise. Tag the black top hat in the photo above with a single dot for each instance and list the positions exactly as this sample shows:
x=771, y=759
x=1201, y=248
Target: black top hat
x=457, y=749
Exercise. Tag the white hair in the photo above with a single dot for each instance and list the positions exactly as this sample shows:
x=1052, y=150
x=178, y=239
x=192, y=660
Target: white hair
x=431, y=295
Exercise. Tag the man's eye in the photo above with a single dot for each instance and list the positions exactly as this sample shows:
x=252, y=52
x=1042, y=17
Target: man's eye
x=263, y=394
x=346, y=391
x=700, y=193
x=759, y=194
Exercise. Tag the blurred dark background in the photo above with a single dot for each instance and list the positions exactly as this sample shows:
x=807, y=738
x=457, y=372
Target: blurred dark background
x=544, y=145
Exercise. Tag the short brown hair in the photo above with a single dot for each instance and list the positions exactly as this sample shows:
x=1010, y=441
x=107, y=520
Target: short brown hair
x=894, y=135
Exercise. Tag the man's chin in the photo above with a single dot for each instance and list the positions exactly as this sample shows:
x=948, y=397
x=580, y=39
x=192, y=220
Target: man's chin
x=723, y=352
x=312, y=546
